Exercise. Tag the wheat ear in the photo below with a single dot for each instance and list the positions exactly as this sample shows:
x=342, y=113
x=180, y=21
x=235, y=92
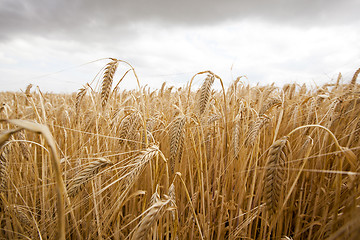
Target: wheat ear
x=236, y=139
x=338, y=80
x=254, y=130
x=28, y=93
x=274, y=174
x=156, y=196
x=205, y=93
x=270, y=103
x=236, y=132
x=139, y=162
x=3, y=172
x=21, y=215
x=107, y=80
x=353, y=80
x=85, y=175
x=153, y=214
x=357, y=132
x=28, y=89
x=129, y=125
x=79, y=96
x=176, y=140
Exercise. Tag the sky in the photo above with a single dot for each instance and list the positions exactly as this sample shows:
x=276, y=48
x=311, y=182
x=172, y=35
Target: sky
x=60, y=45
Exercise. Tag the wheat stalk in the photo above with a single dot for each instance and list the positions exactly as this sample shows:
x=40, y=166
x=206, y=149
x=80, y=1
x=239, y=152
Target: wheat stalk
x=6, y=134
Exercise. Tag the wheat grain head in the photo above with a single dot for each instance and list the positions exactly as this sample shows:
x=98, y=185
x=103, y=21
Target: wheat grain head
x=274, y=174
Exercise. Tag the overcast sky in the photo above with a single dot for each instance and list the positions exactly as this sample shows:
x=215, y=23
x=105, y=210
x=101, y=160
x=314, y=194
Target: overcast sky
x=52, y=43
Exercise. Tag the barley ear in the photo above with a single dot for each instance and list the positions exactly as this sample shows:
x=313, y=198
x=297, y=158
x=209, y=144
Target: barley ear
x=254, y=130
x=85, y=175
x=176, y=140
x=274, y=174
x=129, y=126
x=205, y=93
x=270, y=103
x=107, y=80
x=353, y=80
x=79, y=96
x=3, y=172
x=153, y=214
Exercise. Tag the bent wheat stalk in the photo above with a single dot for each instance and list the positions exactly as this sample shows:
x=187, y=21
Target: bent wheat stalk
x=5, y=135
x=348, y=153
x=60, y=187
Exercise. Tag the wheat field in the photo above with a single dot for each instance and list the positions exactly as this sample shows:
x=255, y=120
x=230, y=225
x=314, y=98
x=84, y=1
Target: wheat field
x=246, y=162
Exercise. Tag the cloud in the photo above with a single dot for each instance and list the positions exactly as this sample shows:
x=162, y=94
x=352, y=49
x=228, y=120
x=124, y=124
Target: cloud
x=91, y=20
x=269, y=41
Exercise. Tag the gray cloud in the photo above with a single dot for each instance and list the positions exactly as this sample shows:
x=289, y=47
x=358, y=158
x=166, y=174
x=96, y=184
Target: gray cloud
x=91, y=19
x=267, y=40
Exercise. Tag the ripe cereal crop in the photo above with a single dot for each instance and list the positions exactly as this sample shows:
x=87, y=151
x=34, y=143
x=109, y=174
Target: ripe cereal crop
x=246, y=162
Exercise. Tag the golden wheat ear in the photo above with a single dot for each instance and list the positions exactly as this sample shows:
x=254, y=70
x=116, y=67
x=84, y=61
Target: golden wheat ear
x=21, y=214
x=79, y=96
x=107, y=80
x=3, y=173
x=269, y=104
x=353, y=80
x=85, y=175
x=205, y=92
x=129, y=127
x=274, y=174
x=176, y=140
x=254, y=130
x=153, y=214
